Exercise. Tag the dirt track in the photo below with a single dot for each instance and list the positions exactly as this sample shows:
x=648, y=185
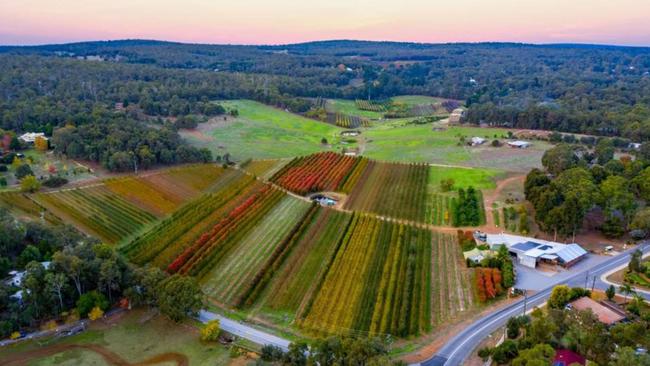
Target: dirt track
x=109, y=356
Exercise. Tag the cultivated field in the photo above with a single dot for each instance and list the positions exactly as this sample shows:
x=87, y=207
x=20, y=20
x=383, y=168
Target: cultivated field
x=403, y=191
x=264, y=168
x=115, y=209
x=97, y=210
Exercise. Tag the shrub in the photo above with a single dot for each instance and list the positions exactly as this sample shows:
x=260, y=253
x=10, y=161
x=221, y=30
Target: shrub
x=3, y=168
x=55, y=181
x=210, y=332
x=3, y=182
x=90, y=300
x=560, y=296
x=30, y=184
x=95, y=313
x=23, y=170
x=271, y=353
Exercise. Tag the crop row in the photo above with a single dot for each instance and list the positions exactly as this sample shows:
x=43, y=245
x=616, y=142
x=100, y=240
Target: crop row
x=25, y=205
x=452, y=291
x=215, y=243
x=161, y=243
x=377, y=282
x=297, y=278
x=441, y=209
x=395, y=190
x=366, y=105
x=346, y=121
x=240, y=270
x=98, y=210
x=326, y=171
x=163, y=192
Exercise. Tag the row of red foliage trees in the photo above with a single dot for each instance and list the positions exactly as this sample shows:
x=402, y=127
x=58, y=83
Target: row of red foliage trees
x=324, y=171
x=488, y=283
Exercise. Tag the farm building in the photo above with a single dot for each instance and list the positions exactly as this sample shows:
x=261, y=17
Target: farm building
x=30, y=137
x=519, y=144
x=607, y=314
x=531, y=251
x=476, y=141
x=456, y=116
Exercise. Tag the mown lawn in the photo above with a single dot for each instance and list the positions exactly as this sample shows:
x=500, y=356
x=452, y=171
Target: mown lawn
x=263, y=132
x=135, y=338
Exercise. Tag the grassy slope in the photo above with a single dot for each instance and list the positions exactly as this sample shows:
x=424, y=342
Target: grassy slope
x=416, y=99
x=263, y=132
x=418, y=143
x=133, y=341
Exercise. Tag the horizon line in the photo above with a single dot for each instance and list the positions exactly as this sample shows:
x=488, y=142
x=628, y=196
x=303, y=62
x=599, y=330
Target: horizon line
x=73, y=42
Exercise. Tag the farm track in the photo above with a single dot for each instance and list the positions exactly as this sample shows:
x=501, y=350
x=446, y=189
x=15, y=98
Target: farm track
x=110, y=357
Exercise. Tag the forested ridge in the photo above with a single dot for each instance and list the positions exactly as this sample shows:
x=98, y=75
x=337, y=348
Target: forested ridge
x=601, y=90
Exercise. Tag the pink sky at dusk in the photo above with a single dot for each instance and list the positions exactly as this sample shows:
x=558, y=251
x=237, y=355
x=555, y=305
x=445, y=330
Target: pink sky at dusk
x=625, y=22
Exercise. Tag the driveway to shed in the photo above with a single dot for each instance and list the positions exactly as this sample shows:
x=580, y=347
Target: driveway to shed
x=536, y=280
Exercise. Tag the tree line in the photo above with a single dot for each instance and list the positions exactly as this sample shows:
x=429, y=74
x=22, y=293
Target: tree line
x=66, y=275
x=580, y=186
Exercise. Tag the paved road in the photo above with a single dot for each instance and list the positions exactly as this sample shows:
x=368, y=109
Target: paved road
x=460, y=346
x=244, y=331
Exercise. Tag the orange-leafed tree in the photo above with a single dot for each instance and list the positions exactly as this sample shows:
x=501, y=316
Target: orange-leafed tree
x=41, y=144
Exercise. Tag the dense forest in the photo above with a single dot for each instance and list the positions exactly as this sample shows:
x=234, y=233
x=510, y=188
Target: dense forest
x=572, y=88
x=590, y=89
x=579, y=188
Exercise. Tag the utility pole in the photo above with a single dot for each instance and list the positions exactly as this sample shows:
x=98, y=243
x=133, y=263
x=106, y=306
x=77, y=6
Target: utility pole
x=525, y=301
x=593, y=284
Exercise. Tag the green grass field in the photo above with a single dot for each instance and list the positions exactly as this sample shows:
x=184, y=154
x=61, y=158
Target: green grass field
x=464, y=177
x=263, y=132
x=134, y=338
x=416, y=99
x=397, y=141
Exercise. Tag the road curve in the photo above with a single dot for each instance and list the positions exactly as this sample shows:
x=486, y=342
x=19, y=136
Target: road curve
x=457, y=349
x=244, y=331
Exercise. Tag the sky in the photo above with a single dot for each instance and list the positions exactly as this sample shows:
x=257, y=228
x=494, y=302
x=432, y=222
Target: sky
x=621, y=22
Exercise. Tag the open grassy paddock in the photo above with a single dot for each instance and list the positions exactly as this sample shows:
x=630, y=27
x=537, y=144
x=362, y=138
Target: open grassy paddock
x=398, y=141
x=135, y=338
x=262, y=132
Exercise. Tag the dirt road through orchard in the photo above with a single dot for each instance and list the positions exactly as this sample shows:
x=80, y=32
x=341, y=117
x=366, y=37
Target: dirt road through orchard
x=490, y=197
x=109, y=356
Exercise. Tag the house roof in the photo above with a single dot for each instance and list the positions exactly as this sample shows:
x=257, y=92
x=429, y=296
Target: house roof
x=565, y=357
x=518, y=143
x=605, y=314
x=526, y=246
